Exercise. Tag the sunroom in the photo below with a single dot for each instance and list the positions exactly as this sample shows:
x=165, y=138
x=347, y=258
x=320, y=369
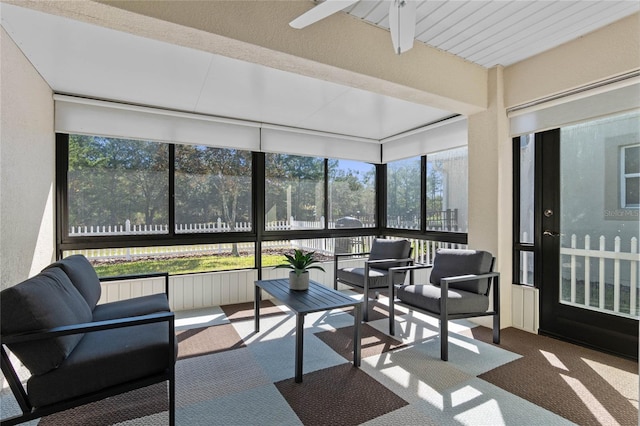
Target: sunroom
x=206, y=139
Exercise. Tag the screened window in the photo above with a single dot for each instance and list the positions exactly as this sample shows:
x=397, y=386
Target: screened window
x=117, y=186
x=447, y=190
x=212, y=189
x=524, y=175
x=294, y=195
x=403, y=193
x=630, y=176
x=174, y=259
x=352, y=194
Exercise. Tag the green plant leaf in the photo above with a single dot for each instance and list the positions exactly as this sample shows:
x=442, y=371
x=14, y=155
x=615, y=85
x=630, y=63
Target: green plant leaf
x=300, y=262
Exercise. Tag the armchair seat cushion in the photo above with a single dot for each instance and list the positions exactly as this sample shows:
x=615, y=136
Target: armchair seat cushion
x=427, y=297
x=142, y=305
x=103, y=359
x=355, y=276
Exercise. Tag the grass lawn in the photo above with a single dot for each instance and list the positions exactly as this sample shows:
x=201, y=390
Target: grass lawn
x=183, y=265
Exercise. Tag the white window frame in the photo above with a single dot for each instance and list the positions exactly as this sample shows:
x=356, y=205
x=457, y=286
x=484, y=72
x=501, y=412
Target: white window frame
x=624, y=176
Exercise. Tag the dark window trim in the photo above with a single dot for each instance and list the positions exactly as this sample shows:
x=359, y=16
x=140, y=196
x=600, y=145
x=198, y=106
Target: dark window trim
x=515, y=273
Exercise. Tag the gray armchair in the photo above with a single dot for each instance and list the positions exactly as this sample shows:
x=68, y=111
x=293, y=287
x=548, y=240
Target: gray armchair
x=374, y=275
x=461, y=281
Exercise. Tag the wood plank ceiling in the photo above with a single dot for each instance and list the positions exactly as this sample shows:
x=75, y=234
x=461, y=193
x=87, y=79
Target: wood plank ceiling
x=500, y=32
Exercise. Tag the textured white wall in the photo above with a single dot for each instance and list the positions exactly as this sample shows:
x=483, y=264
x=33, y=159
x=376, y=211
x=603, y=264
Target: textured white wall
x=490, y=188
x=27, y=167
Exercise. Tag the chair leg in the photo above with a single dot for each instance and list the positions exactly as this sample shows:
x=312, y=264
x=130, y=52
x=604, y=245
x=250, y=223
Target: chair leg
x=365, y=290
x=172, y=400
x=392, y=319
x=365, y=307
x=444, y=338
x=496, y=329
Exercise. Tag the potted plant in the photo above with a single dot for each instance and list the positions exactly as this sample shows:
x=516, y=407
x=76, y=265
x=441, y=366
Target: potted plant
x=300, y=263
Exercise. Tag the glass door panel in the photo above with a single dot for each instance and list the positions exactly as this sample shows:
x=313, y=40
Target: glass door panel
x=599, y=221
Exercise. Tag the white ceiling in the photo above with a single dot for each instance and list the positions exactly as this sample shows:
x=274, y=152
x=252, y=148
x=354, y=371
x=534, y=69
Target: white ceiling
x=87, y=60
x=500, y=32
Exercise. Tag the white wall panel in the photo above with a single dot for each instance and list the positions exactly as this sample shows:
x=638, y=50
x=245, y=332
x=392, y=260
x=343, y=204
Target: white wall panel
x=112, y=291
x=525, y=308
x=446, y=135
x=195, y=291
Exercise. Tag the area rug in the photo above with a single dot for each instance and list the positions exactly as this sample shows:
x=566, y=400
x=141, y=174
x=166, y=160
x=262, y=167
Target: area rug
x=229, y=375
x=580, y=384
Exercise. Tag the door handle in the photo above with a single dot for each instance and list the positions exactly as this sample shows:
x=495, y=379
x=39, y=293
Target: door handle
x=548, y=233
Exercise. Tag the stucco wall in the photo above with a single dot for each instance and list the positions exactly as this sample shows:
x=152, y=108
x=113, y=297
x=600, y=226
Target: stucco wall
x=490, y=188
x=27, y=167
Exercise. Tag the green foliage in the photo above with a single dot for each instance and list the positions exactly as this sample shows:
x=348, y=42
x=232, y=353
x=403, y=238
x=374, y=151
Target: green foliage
x=403, y=188
x=294, y=186
x=300, y=262
x=212, y=183
x=114, y=180
x=352, y=192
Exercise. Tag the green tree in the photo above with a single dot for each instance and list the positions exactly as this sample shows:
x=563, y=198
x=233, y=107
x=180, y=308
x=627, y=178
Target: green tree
x=114, y=180
x=298, y=178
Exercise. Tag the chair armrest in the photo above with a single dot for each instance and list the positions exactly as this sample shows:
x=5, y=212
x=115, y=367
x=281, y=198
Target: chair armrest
x=409, y=267
x=470, y=277
x=140, y=276
x=351, y=254
x=373, y=262
x=89, y=327
x=444, y=282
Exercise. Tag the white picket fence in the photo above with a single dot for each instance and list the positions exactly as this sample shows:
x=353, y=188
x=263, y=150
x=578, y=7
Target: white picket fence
x=182, y=228
x=423, y=250
x=621, y=270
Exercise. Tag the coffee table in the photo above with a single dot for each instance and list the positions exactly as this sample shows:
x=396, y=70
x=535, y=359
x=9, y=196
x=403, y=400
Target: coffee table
x=317, y=298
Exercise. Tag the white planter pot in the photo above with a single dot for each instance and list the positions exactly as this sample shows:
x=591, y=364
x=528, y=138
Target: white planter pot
x=299, y=282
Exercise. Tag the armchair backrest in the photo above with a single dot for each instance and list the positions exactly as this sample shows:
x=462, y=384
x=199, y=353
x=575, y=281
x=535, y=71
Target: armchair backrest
x=389, y=249
x=83, y=276
x=44, y=301
x=454, y=262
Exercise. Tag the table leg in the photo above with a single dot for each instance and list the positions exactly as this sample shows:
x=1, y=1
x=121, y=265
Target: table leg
x=256, y=308
x=299, y=346
x=357, y=320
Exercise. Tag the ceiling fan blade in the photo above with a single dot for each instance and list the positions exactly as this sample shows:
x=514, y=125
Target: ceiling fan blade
x=402, y=24
x=321, y=11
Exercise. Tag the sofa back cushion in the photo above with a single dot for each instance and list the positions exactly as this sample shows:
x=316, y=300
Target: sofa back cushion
x=454, y=262
x=389, y=249
x=45, y=301
x=83, y=276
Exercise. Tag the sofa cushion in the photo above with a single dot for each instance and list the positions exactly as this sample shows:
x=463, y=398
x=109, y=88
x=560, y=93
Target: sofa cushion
x=428, y=297
x=455, y=262
x=83, y=276
x=103, y=359
x=142, y=305
x=44, y=301
x=355, y=277
x=389, y=249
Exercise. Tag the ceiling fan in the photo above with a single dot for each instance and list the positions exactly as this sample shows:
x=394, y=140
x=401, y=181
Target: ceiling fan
x=402, y=19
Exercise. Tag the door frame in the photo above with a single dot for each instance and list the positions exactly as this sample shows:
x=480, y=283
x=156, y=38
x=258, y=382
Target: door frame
x=598, y=330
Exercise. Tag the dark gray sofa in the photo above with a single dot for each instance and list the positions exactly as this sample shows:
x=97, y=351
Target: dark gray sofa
x=77, y=350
